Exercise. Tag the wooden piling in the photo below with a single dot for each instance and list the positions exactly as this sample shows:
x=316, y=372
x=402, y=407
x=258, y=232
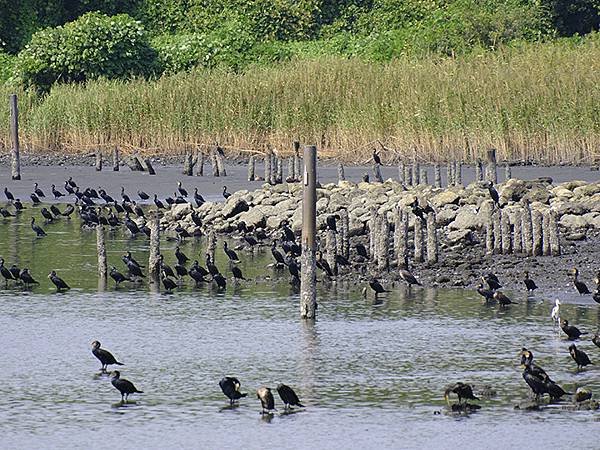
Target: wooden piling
x=518, y=231
x=308, y=281
x=341, y=174
x=457, y=173
x=331, y=250
x=383, y=245
x=401, y=173
x=546, y=234
x=279, y=171
x=149, y=166
x=200, y=159
x=423, y=176
x=497, y=231
x=372, y=231
x=377, y=172
x=98, y=155
x=297, y=174
x=213, y=163
x=101, y=248
x=14, y=134
x=220, y=160
x=450, y=173
x=537, y=232
x=115, y=158
x=345, y=233
x=290, y=170
x=416, y=173
x=188, y=164
x=553, y=235
x=437, y=176
x=478, y=170
x=408, y=180
x=489, y=228
x=401, y=236
x=251, y=168
x=268, y=167
x=432, y=239
x=526, y=228
x=491, y=172
x=419, y=249
x=211, y=244
x=507, y=172
x=506, y=232
x=154, y=254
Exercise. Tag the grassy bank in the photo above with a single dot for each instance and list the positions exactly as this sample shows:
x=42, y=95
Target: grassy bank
x=537, y=101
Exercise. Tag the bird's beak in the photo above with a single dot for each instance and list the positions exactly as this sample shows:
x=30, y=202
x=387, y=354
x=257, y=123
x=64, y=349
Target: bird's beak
x=447, y=398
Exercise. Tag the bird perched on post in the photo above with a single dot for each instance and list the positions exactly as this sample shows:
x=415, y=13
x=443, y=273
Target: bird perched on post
x=125, y=387
x=104, y=356
x=376, y=157
x=493, y=193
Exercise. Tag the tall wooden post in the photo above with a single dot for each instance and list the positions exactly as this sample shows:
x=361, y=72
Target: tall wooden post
x=14, y=134
x=251, y=168
x=98, y=160
x=437, y=176
x=154, y=256
x=102, y=265
x=115, y=158
x=491, y=172
x=308, y=279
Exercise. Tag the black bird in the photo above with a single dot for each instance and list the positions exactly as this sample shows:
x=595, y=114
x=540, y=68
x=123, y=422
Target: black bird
x=287, y=231
x=376, y=286
x=131, y=225
x=294, y=269
x=6, y=213
x=288, y=396
x=71, y=182
x=35, y=199
x=554, y=390
x=104, y=356
x=137, y=209
x=181, y=257
x=365, y=177
x=376, y=157
x=225, y=193
x=502, y=299
x=18, y=205
x=237, y=273
x=250, y=240
x=104, y=196
x=58, y=282
x=26, y=277
x=16, y=273
x=180, y=270
x=323, y=264
x=529, y=283
x=341, y=260
x=265, y=396
x=168, y=271
x=331, y=222
x=537, y=384
x=38, y=191
x=7, y=274
x=579, y=285
x=9, y=196
x=579, y=356
x=198, y=198
x=118, y=276
x=69, y=188
x=54, y=210
x=168, y=283
x=493, y=193
x=118, y=208
x=462, y=390
x=570, y=330
x=56, y=192
x=488, y=294
x=231, y=388
x=70, y=209
x=231, y=254
x=197, y=273
x=38, y=230
x=158, y=203
x=128, y=257
x=125, y=387
x=47, y=215
x=492, y=281
x=134, y=269
x=361, y=251
x=407, y=276
x=220, y=280
x=170, y=201
x=124, y=196
x=277, y=256
x=143, y=195
x=127, y=208
x=181, y=190
x=210, y=265
x=596, y=340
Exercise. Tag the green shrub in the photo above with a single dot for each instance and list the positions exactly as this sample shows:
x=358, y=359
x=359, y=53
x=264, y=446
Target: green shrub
x=6, y=66
x=93, y=46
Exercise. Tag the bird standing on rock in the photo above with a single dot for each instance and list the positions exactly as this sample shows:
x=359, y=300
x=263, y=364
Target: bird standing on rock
x=493, y=193
x=226, y=194
x=462, y=390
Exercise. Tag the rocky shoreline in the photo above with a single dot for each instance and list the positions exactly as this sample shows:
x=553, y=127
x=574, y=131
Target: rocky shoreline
x=460, y=217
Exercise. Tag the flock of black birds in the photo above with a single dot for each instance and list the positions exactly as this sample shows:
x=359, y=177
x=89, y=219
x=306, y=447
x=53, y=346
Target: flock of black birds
x=229, y=385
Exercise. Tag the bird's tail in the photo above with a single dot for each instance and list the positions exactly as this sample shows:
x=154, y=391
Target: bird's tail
x=300, y=405
x=245, y=394
x=119, y=363
x=139, y=392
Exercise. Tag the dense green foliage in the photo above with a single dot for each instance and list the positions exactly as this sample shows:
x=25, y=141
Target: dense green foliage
x=92, y=46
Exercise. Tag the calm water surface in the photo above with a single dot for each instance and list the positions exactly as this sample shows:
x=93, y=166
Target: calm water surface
x=371, y=374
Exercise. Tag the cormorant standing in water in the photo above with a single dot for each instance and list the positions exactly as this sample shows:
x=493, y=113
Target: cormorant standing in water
x=168, y=283
x=70, y=209
x=502, y=299
x=231, y=388
x=131, y=225
x=38, y=230
x=71, y=182
x=180, y=270
x=198, y=198
x=18, y=205
x=294, y=269
x=407, y=276
x=7, y=274
x=125, y=387
x=47, y=215
x=54, y=210
x=210, y=265
x=288, y=396
x=118, y=276
x=237, y=273
x=226, y=194
x=104, y=356
x=570, y=330
x=579, y=285
x=6, y=213
x=287, y=231
x=220, y=280
x=579, y=356
x=529, y=283
x=377, y=287
x=462, y=390
x=323, y=264
x=35, y=199
x=488, y=294
x=69, y=188
x=277, y=256
x=197, y=273
x=181, y=257
x=267, y=401
x=16, y=273
x=231, y=254
x=26, y=277
x=492, y=281
x=58, y=282
x=124, y=196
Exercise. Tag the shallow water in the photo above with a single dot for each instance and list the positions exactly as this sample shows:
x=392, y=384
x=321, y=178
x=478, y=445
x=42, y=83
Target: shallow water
x=371, y=374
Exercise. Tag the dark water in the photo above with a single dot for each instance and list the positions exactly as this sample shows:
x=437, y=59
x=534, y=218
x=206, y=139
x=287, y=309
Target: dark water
x=371, y=374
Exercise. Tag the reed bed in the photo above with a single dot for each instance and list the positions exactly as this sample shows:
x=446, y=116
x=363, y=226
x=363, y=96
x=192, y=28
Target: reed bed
x=538, y=102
